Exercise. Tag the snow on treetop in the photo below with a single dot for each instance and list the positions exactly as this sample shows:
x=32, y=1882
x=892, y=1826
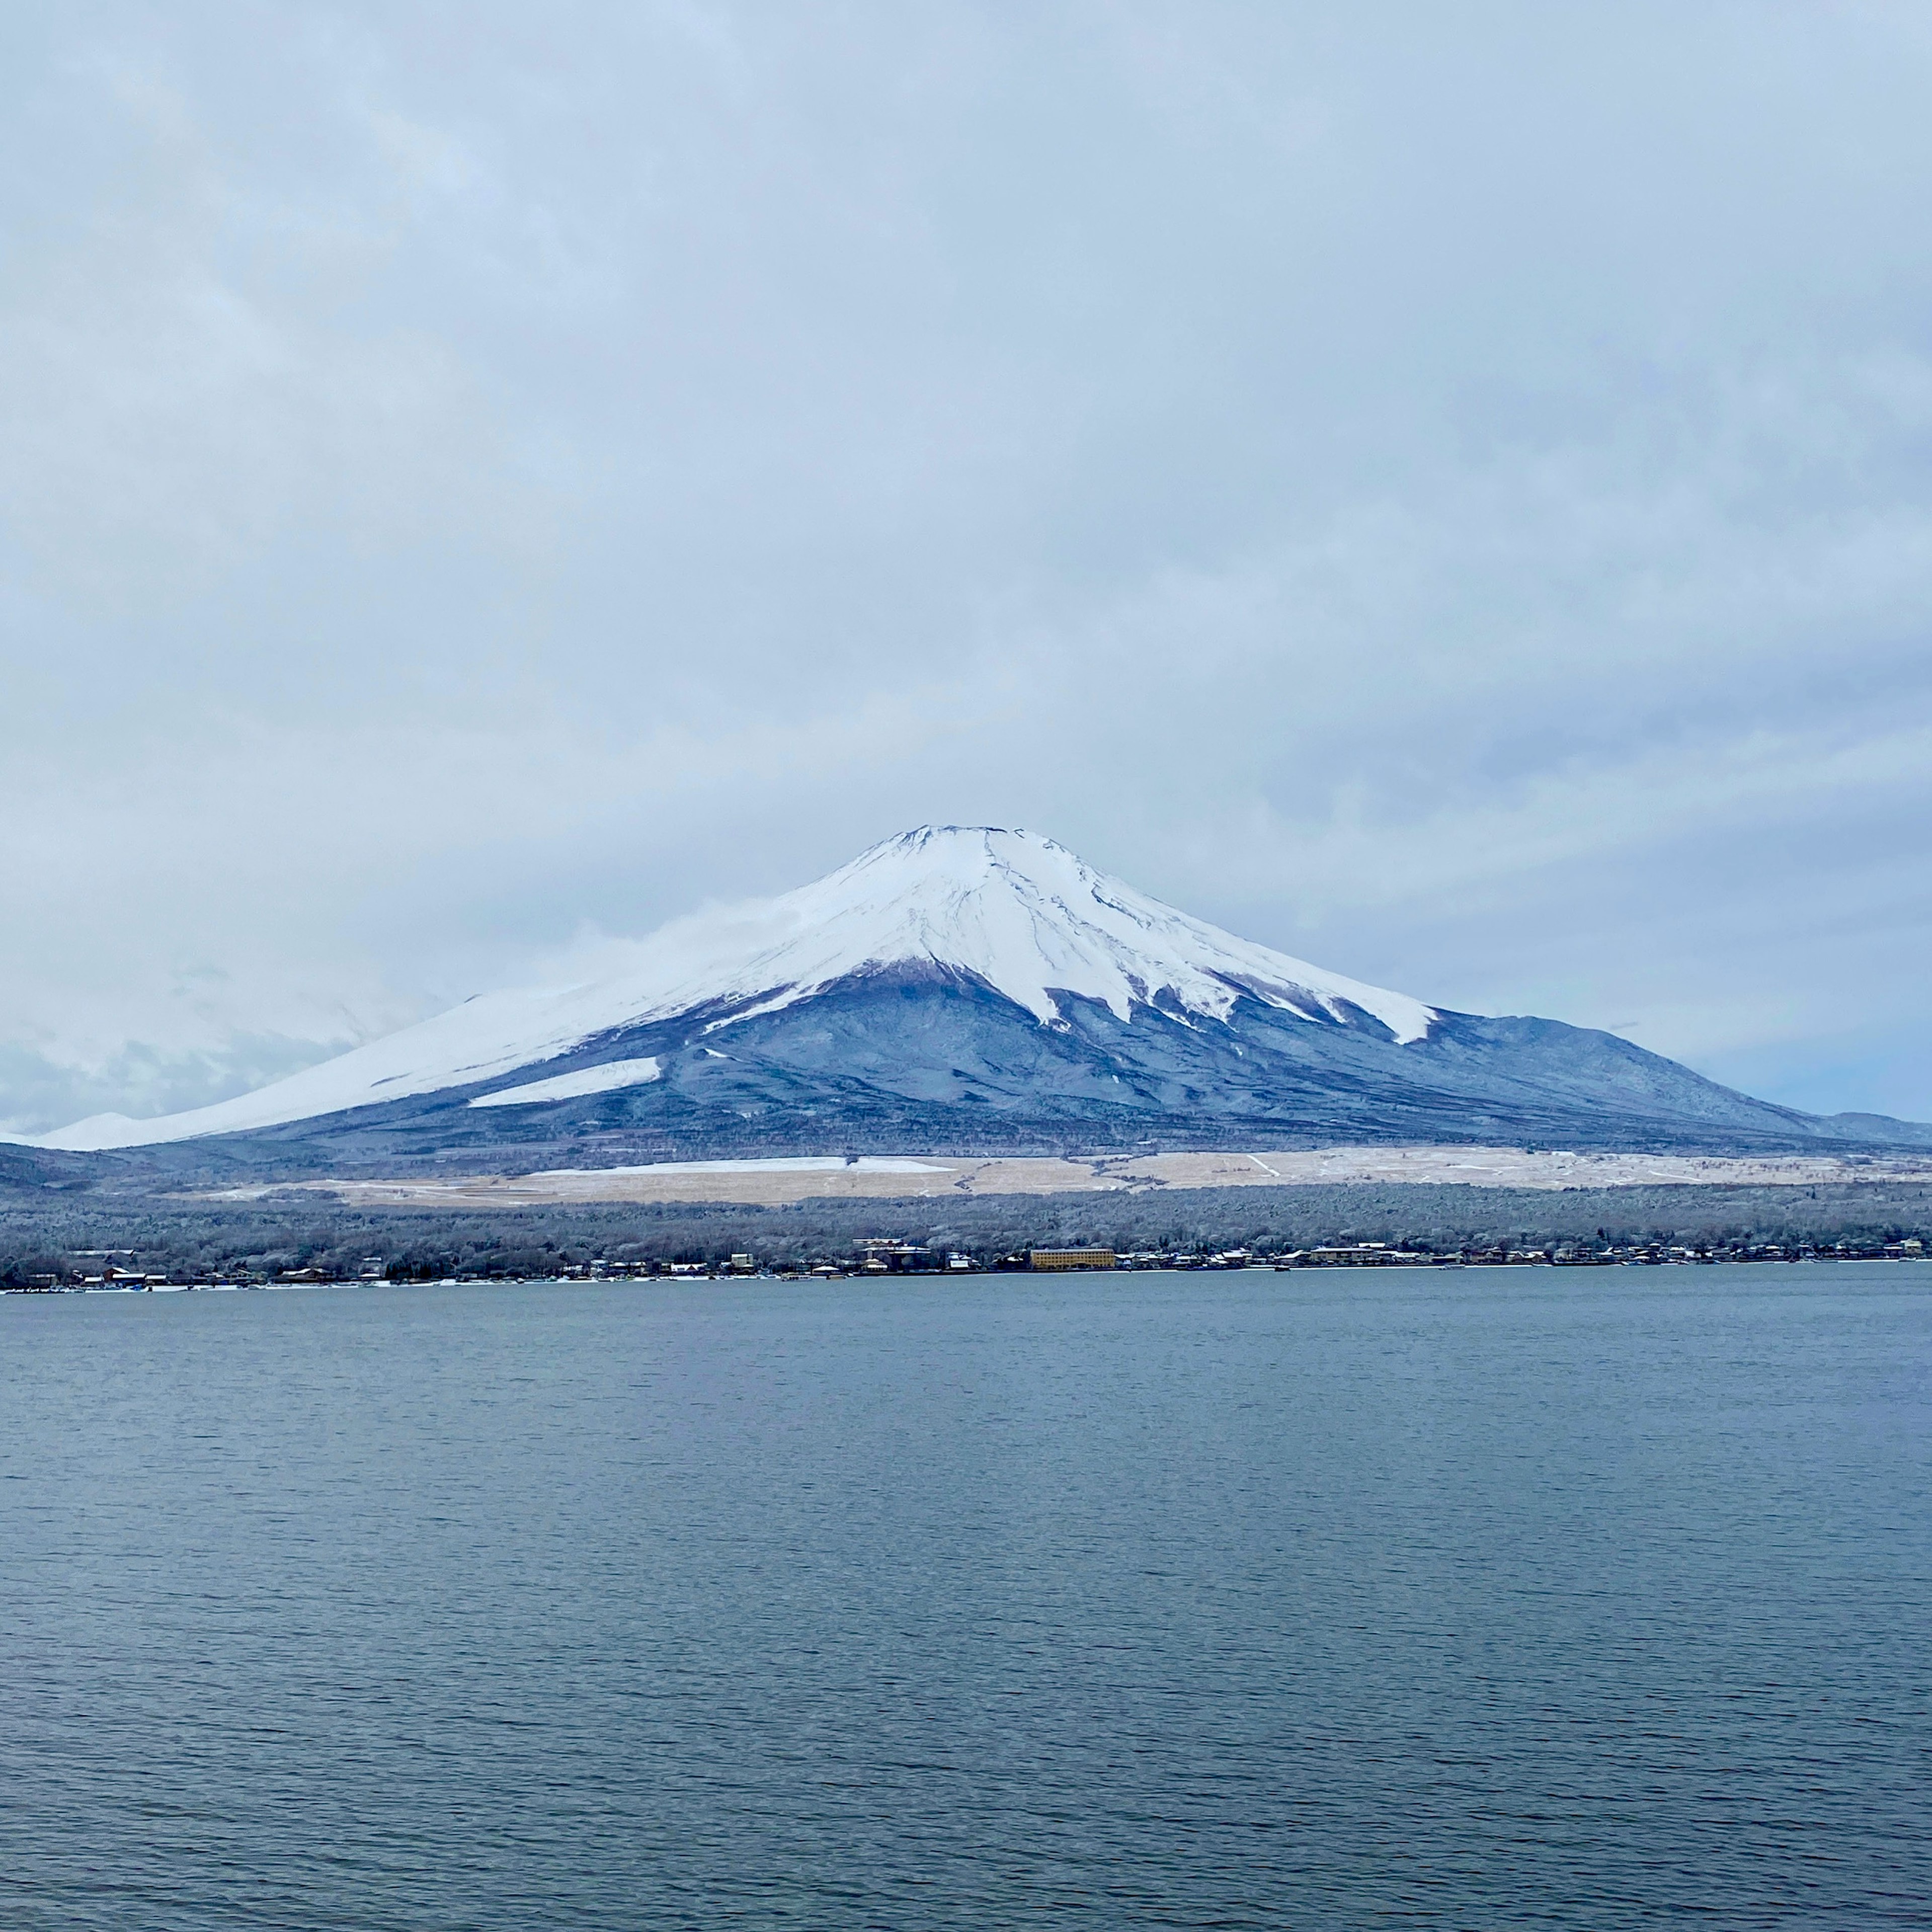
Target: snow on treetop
x=1016, y=910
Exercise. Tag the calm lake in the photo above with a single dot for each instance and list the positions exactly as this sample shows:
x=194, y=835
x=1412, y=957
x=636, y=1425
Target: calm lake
x=1582, y=1598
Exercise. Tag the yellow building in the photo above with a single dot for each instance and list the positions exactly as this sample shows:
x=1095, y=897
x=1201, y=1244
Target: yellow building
x=1071, y=1258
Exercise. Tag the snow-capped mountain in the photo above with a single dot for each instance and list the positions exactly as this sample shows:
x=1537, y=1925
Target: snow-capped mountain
x=957, y=985
x=1019, y=913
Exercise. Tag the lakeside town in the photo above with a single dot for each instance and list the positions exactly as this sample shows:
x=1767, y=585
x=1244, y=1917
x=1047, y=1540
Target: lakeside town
x=119, y=1270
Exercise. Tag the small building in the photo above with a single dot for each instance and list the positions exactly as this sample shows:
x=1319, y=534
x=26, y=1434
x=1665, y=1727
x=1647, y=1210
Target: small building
x=892, y=1257
x=1060, y=1260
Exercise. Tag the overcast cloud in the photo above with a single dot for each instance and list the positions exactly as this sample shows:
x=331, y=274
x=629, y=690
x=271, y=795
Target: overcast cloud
x=1444, y=491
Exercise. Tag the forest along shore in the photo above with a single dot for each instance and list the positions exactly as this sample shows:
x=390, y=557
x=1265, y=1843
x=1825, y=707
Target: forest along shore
x=53, y=1237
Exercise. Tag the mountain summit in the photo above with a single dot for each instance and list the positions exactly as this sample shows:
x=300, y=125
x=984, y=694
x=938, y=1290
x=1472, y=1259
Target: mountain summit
x=1023, y=915
x=974, y=989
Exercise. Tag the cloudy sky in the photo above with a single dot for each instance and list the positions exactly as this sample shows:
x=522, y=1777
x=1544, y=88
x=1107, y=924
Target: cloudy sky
x=1444, y=491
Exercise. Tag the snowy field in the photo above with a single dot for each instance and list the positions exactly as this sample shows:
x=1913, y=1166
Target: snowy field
x=776, y=1183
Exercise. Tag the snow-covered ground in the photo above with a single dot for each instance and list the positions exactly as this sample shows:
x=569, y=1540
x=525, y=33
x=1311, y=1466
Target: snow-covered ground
x=608, y=1077
x=775, y=1183
x=1018, y=910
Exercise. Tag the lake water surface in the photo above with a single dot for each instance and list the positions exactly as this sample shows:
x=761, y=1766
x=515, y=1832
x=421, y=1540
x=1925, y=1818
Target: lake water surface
x=1583, y=1598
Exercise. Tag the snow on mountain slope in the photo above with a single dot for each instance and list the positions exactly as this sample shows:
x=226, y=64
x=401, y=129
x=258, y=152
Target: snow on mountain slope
x=1017, y=911
x=606, y=1078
